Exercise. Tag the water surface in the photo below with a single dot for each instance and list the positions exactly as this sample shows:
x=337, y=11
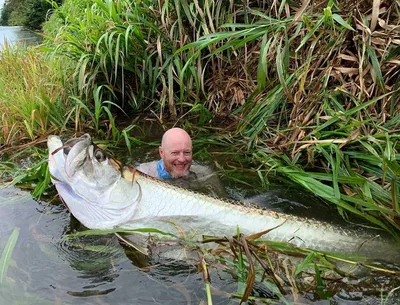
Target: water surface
x=48, y=268
x=17, y=34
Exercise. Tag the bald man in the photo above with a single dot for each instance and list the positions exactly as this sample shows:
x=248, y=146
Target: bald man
x=176, y=156
x=176, y=166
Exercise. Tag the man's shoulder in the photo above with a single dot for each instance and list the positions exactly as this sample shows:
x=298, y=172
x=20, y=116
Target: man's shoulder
x=202, y=170
x=149, y=168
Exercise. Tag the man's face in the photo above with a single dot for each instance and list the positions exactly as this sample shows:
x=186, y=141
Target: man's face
x=177, y=156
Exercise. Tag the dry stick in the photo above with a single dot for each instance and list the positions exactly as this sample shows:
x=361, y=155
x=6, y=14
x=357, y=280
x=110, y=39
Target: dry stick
x=251, y=275
x=248, y=251
x=207, y=280
x=268, y=270
x=40, y=140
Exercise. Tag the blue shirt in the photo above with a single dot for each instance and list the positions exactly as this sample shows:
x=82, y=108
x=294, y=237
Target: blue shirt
x=162, y=172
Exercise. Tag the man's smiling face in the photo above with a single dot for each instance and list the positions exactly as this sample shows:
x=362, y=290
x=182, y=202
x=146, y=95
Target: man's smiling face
x=176, y=152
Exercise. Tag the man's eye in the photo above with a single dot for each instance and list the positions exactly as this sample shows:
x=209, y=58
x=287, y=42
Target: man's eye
x=174, y=153
x=188, y=153
x=100, y=155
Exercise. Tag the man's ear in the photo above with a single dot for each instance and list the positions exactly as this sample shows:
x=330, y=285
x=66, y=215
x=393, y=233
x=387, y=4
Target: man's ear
x=161, y=151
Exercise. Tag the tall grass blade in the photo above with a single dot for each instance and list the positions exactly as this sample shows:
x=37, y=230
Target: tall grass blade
x=7, y=253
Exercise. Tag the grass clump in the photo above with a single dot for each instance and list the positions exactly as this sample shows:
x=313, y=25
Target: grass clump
x=33, y=95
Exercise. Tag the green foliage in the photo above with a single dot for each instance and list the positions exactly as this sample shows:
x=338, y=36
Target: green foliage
x=6, y=255
x=362, y=180
x=307, y=82
x=113, y=46
x=33, y=93
x=28, y=13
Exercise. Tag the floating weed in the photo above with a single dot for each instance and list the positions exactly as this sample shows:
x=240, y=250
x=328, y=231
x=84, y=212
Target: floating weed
x=387, y=300
x=6, y=255
x=36, y=178
x=284, y=269
x=320, y=286
x=119, y=230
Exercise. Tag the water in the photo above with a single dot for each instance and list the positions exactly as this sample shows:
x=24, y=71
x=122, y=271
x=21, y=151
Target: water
x=17, y=34
x=49, y=268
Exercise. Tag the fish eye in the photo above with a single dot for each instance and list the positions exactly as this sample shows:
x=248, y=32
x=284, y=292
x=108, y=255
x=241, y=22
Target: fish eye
x=100, y=155
x=67, y=149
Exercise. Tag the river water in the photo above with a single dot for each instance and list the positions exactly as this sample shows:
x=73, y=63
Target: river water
x=17, y=34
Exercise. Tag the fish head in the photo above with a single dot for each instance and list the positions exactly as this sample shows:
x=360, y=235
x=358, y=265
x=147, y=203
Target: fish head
x=90, y=183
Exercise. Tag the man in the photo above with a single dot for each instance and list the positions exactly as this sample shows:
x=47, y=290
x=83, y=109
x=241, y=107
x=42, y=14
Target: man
x=176, y=166
x=176, y=156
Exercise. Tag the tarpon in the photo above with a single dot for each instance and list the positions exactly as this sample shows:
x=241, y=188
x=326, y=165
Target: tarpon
x=102, y=194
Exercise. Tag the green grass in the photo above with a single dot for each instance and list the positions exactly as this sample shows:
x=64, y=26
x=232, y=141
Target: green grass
x=6, y=255
x=33, y=98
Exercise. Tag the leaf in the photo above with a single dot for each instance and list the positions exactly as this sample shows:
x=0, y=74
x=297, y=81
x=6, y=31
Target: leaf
x=6, y=255
x=311, y=33
x=376, y=68
x=342, y=22
x=303, y=265
x=321, y=289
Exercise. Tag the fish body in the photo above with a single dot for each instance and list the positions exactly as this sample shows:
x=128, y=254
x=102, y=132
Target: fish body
x=102, y=195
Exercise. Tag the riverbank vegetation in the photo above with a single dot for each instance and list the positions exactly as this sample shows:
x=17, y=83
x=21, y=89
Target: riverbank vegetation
x=28, y=13
x=307, y=90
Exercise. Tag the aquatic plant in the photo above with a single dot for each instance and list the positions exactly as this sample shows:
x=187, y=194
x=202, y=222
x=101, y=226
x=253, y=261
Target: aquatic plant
x=6, y=255
x=265, y=271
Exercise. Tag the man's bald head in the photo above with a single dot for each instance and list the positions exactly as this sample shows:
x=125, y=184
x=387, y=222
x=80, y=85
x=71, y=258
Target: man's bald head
x=173, y=134
x=176, y=152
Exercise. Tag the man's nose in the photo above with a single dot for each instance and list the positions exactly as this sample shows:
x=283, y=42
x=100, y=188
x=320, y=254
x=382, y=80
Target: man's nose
x=181, y=157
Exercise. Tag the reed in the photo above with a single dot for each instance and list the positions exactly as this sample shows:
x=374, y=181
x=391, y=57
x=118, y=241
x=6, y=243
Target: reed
x=6, y=255
x=32, y=94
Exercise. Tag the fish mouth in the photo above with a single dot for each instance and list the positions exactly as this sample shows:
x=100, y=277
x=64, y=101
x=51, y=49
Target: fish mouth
x=69, y=144
x=69, y=156
x=55, y=143
x=89, y=184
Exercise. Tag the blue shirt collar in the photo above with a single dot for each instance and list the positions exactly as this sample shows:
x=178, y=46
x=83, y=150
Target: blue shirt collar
x=162, y=172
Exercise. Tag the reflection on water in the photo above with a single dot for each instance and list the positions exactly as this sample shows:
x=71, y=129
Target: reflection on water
x=17, y=34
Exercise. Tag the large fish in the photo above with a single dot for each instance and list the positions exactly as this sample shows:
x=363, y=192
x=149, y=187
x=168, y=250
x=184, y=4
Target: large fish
x=103, y=195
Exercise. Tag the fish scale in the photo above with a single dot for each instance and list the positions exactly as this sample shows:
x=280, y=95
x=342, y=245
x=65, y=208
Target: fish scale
x=162, y=200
